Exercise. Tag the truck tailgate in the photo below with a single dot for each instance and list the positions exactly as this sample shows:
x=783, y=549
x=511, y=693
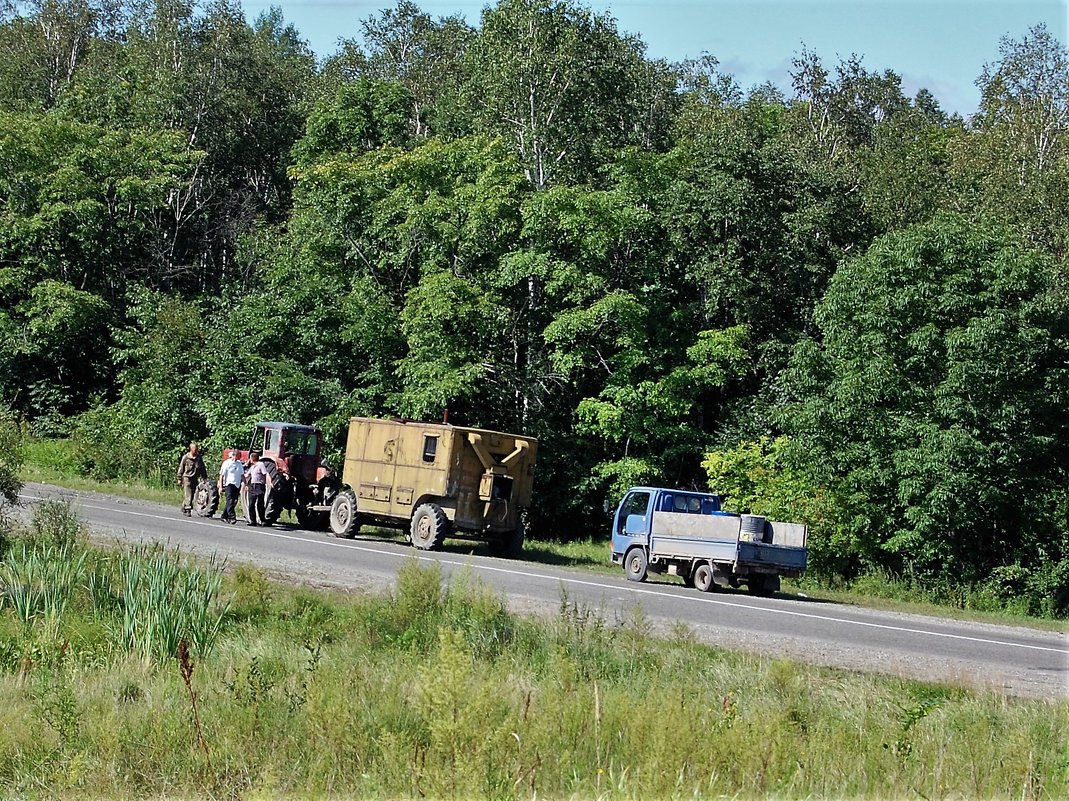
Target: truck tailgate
x=782, y=557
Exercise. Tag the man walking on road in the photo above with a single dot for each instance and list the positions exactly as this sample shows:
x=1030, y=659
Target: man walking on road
x=257, y=487
x=230, y=477
x=191, y=471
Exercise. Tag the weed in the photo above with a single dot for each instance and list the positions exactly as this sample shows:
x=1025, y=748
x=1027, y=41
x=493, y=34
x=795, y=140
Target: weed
x=252, y=594
x=185, y=667
x=53, y=695
x=130, y=692
x=299, y=696
x=56, y=523
x=910, y=716
x=38, y=582
x=165, y=603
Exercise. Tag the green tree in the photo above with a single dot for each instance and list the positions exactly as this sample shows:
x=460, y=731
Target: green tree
x=83, y=204
x=10, y=464
x=426, y=56
x=933, y=404
x=1015, y=166
x=564, y=87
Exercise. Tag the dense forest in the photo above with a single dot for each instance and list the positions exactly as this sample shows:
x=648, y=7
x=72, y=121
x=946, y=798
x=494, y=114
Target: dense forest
x=843, y=306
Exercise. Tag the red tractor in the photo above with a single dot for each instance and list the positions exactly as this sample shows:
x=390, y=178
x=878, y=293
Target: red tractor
x=299, y=478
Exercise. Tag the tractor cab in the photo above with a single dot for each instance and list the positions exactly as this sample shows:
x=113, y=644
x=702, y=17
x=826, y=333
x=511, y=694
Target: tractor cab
x=293, y=448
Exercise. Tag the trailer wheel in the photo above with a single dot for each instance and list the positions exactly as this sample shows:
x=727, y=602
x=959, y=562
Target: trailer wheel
x=510, y=546
x=429, y=526
x=344, y=521
x=205, y=499
x=635, y=564
x=703, y=577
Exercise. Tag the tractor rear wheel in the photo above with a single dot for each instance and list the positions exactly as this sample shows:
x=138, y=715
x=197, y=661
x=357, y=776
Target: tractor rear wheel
x=277, y=494
x=344, y=520
x=205, y=499
x=429, y=527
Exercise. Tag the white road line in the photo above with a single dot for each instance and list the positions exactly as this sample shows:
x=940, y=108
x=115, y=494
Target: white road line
x=582, y=582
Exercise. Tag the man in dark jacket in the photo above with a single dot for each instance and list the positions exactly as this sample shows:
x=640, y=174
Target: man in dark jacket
x=191, y=472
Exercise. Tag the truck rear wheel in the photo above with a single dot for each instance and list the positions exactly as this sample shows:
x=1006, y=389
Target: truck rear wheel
x=344, y=521
x=703, y=577
x=762, y=585
x=429, y=527
x=636, y=564
x=205, y=499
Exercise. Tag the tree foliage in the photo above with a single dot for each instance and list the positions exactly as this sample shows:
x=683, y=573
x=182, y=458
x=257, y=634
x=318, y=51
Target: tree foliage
x=935, y=401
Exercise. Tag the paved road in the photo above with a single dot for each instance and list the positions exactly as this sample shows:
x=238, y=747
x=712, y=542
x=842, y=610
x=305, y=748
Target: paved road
x=1015, y=660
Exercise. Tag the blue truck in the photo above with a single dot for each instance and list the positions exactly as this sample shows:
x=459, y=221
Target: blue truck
x=687, y=534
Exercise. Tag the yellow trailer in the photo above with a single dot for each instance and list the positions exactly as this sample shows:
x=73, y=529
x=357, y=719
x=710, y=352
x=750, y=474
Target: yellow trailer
x=435, y=480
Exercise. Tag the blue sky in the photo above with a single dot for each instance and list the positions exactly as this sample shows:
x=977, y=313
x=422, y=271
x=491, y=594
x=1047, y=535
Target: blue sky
x=941, y=45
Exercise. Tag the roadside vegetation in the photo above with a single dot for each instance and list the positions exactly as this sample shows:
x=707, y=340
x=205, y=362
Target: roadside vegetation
x=136, y=672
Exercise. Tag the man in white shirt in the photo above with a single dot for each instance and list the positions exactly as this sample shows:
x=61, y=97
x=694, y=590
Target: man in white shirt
x=230, y=476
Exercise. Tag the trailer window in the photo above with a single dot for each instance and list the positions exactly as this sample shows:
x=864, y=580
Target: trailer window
x=430, y=448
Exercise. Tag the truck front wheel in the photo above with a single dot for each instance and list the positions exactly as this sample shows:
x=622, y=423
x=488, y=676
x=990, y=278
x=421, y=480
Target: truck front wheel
x=343, y=517
x=703, y=577
x=635, y=564
x=429, y=526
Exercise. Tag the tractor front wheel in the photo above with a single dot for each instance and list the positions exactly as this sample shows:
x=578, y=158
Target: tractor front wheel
x=312, y=520
x=205, y=499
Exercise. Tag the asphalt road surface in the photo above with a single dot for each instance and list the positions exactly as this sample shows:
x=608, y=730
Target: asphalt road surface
x=979, y=656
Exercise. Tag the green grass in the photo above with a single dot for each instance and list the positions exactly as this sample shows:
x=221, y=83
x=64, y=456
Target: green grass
x=55, y=462
x=437, y=691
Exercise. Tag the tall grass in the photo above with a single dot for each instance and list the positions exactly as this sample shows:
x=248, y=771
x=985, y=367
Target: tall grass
x=165, y=602
x=38, y=583
x=436, y=691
